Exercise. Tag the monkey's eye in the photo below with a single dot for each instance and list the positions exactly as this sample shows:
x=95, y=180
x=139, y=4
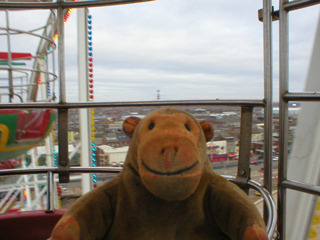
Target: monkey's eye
x=151, y=126
x=187, y=127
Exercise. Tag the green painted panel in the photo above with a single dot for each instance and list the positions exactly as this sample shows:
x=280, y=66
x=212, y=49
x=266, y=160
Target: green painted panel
x=13, y=63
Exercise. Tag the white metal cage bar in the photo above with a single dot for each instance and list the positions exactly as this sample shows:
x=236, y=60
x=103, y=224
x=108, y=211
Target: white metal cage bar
x=285, y=96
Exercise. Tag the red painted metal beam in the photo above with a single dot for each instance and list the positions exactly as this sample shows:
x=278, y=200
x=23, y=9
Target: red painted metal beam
x=24, y=56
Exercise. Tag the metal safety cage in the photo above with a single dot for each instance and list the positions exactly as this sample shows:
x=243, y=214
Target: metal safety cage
x=63, y=170
x=284, y=183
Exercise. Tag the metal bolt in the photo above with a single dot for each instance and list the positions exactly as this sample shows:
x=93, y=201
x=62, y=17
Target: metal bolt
x=242, y=172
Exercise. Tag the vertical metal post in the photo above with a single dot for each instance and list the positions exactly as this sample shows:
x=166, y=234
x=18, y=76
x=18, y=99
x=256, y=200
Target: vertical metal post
x=268, y=117
x=63, y=164
x=85, y=132
x=243, y=173
x=34, y=160
x=53, y=57
x=50, y=195
x=283, y=117
x=44, y=94
x=61, y=53
x=10, y=74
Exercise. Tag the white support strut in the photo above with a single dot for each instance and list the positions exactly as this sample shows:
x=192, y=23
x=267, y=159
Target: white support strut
x=304, y=161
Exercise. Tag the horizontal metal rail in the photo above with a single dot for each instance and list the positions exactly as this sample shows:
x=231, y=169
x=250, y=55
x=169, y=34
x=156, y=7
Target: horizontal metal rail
x=236, y=103
x=295, y=5
x=306, y=96
x=44, y=170
x=302, y=187
x=289, y=6
x=70, y=4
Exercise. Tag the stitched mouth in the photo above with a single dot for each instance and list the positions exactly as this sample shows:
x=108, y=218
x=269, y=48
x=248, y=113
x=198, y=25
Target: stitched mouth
x=169, y=173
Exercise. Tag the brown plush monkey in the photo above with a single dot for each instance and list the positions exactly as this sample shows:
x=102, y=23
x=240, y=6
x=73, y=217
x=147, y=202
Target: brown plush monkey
x=166, y=190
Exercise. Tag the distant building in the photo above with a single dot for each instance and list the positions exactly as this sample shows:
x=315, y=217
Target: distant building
x=133, y=114
x=217, y=151
x=72, y=136
x=257, y=137
x=109, y=156
x=258, y=147
x=115, y=140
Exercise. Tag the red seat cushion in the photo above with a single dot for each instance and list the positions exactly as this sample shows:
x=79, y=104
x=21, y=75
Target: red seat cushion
x=29, y=225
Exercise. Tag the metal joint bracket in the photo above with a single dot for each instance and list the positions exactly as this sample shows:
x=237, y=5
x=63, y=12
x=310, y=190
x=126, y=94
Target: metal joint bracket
x=243, y=174
x=64, y=175
x=242, y=179
x=63, y=164
x=274, y=14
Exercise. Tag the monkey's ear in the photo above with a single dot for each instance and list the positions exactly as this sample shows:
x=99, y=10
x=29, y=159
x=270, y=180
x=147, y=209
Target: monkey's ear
x=129, y=125
x=208, y=130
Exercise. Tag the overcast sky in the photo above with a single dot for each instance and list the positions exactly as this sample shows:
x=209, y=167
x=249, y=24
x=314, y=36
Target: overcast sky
x=187, y=49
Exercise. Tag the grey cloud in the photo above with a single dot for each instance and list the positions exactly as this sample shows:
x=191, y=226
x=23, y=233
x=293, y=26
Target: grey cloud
x=187, y=49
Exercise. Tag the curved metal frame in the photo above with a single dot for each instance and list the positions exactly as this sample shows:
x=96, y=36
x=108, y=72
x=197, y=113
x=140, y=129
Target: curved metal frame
x=269, y=202
x=17, y=31
x=50, y=76
x=271, y=207
x=63, y=4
